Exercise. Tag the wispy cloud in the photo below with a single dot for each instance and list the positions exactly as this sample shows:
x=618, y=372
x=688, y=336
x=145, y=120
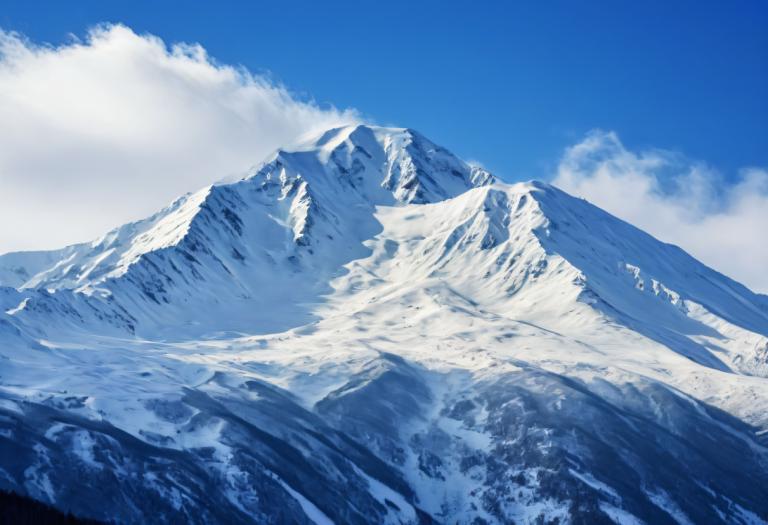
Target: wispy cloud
x=722, y=223
x=102, y=131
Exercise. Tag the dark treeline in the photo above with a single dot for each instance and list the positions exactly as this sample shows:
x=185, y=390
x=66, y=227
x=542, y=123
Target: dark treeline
x=21, y=510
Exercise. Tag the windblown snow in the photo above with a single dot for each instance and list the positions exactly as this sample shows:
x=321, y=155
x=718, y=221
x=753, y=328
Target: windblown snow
x=366, y=329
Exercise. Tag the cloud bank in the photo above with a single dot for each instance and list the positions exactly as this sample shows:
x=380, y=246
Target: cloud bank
x=721, y=223
x=107, y=130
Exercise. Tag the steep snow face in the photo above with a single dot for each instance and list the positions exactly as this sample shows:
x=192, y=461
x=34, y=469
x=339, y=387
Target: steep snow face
x=657, y=289
x=366, y=329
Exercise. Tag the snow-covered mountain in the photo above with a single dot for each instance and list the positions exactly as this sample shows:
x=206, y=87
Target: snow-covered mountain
x=365, y=329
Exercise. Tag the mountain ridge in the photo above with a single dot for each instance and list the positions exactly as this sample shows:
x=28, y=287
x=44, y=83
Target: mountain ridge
x=364, y=328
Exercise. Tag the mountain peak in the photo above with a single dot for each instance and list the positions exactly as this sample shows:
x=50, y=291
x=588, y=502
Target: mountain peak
x=406, y=165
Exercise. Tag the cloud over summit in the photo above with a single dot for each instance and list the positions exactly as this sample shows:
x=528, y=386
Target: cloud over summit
x=112, y=128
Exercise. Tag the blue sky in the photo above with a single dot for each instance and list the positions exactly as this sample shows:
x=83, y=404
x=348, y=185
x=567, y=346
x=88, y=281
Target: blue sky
x=507, y=83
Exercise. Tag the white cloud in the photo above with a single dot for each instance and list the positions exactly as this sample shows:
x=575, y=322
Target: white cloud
x=721, y=223
x=475, y=163
x=99, y=132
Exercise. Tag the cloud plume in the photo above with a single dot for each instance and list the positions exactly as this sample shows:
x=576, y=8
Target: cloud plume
x=722, y=223
x=99, y=132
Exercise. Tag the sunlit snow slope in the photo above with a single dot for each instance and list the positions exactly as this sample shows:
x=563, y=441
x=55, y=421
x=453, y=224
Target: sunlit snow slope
x=365, y=329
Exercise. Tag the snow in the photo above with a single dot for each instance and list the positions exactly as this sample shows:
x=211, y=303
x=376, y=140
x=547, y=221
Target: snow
x=361, y=242
x=620, y=516
x=19, y=308
x=596, y=484
x=7, y=404
x=662, y=500
x=383, y=494
x=36, y=480
x=310, y=509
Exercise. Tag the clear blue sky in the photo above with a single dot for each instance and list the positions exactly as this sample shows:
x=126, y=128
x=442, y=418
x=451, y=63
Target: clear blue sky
x=507, y=83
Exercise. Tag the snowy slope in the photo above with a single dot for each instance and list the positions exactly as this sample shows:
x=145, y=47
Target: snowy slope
x=278, y=235
x=365, y=329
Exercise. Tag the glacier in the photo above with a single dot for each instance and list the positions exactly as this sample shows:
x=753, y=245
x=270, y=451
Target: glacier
x=366, y=329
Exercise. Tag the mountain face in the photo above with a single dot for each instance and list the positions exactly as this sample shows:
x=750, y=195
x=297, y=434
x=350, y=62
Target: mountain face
x=365, y=329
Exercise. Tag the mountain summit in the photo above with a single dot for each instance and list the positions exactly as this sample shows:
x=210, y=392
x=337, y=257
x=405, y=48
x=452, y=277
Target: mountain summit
x=366, y=329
